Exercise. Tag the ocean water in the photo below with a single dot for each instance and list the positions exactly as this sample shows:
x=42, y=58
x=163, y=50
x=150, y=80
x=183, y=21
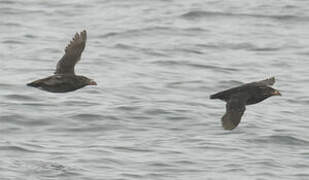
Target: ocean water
x=156, y=62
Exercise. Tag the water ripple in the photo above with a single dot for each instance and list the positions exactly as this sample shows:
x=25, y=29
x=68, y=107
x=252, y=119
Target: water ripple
x=21, y=97
x=88, y=117
x=15, y=148
x=210, y=14
x=282, y=139
x=194, y=65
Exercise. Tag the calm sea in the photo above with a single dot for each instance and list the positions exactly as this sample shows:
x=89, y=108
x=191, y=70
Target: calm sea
x=156, y=62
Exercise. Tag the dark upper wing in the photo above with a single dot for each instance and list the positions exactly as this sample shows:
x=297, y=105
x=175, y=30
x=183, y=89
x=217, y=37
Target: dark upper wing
x=225, y=95
x=235, y=108
x=72, y=54
x=266, y=82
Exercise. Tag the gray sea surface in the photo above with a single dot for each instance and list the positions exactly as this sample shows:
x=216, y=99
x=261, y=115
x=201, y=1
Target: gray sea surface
x=156, y=62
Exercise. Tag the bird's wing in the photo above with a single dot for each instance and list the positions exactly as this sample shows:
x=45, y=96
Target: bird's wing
x=72, y=54
x=235, y=108
x=266, y=82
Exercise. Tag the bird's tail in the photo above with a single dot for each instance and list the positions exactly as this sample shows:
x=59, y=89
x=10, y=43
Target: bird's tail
x=34, y=84
x=216, y=96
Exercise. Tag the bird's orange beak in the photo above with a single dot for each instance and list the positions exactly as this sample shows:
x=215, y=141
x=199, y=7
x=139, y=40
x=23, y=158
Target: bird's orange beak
x=276, y=93
x=92, y=82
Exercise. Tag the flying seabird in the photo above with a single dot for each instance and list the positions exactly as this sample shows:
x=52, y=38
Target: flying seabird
x=238, y=97
x=64, y=79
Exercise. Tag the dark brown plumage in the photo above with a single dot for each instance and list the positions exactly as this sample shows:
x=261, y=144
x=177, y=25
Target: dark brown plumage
x=238, y=97
x=65, y=79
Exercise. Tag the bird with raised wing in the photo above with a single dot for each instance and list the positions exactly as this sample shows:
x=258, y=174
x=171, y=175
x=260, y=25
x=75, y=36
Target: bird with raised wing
x=238, y=97
x=64, y=79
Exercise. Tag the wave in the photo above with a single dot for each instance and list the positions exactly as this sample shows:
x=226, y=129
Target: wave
x=40, y=168
x=132, y=149
x=195, y=65
x=139, y=32
x=12, y=42
x=6, y=2
x=21, y=97
x=239, y=46
x=145, y=50
x=205, y=14
x=20, y=11
x=154, y=30
x=282, y=139
x=88, y=117
x=17, y=149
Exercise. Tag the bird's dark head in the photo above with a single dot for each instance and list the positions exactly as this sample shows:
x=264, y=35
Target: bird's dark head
x=86, y=81
x=268, y=91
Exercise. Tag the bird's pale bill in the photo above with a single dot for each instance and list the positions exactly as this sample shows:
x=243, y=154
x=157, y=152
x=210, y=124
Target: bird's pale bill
x=92, y=82
x=276, y=93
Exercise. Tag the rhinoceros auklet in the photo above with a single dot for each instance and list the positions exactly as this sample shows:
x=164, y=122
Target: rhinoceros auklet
x=64, y=79
x=238, y=97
